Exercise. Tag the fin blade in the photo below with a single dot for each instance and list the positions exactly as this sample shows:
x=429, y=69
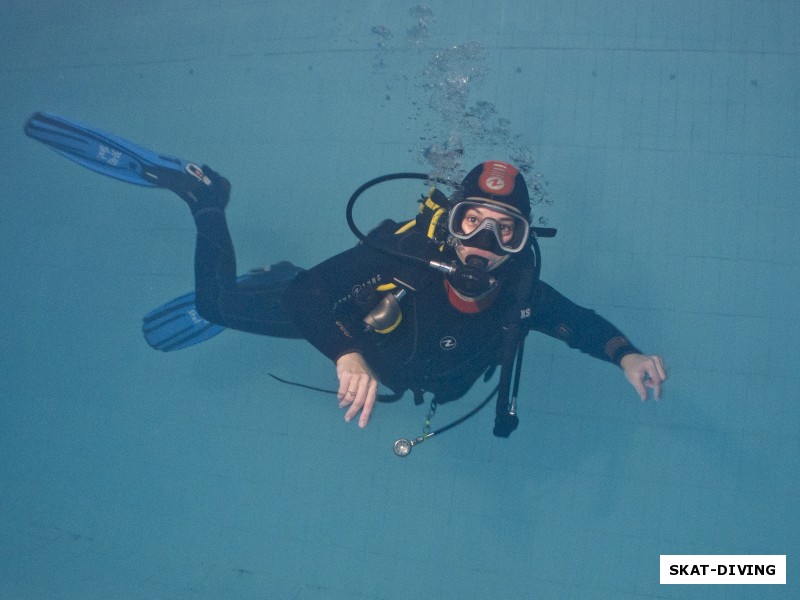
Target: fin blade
x=177, y=325
x=100, y=151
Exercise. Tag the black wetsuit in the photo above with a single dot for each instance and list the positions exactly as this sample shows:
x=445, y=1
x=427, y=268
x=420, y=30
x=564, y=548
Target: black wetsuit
x=435, y=347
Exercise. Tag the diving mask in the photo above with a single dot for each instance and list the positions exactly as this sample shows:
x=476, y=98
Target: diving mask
x=479, y=221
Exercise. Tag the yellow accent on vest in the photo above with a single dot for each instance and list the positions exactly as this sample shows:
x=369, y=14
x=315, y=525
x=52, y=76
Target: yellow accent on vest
x=438, y=212
x=392, y=327
x=406, y=227
x=434, y=221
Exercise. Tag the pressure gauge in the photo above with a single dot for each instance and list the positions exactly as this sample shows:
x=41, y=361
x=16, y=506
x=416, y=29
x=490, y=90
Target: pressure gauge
x=402, y=447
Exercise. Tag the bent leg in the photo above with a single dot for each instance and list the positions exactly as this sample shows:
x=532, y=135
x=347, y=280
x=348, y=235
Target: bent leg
x=214, y=264
x=254, y=303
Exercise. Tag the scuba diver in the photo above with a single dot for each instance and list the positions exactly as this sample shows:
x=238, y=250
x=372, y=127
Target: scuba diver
x=450, y=329
x=429, y=305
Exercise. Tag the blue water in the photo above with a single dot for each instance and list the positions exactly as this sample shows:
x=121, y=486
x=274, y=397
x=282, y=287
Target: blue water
x=666, y=138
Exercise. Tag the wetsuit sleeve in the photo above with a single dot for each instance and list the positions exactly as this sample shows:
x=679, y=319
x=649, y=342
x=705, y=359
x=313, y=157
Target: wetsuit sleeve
x=581, y=328
x=324, y=300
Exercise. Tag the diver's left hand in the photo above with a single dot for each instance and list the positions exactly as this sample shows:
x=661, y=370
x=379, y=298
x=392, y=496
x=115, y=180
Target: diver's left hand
x=644, y=372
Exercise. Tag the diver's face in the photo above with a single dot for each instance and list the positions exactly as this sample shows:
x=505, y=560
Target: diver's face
x=472, y=219
x=477, y=214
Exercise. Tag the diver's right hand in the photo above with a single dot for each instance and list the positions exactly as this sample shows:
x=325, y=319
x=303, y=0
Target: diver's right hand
x=358, y=387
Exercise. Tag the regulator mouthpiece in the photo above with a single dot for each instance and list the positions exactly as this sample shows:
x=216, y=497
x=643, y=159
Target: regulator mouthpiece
x=471, y=279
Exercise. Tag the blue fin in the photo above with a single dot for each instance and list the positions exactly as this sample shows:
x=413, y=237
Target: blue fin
x=176, y=325
x=111, y=155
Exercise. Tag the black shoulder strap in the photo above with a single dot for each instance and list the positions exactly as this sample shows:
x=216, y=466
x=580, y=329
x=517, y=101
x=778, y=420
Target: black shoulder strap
x=515, y=330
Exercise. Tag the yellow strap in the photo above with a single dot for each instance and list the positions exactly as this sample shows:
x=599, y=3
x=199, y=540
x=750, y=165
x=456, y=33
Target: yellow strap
x=434, y=221
x=391, y=327
x=406, y=227
x=438, y=211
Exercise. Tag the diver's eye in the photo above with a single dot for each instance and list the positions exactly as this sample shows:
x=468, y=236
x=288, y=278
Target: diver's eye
x=470, y=222
x=506, y=231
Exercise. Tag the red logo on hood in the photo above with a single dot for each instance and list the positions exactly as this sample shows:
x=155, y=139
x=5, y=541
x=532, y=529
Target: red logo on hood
x=497, y=178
